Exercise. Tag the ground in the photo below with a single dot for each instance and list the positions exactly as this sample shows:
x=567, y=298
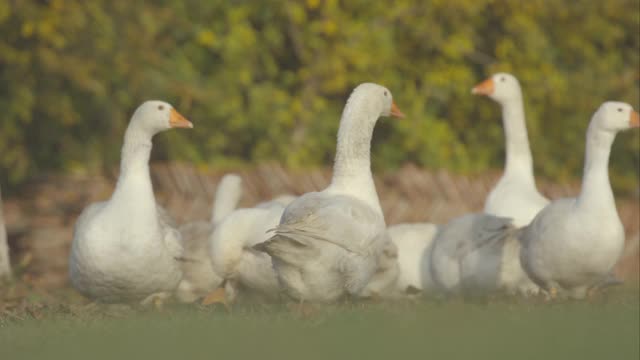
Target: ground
x=63, y=325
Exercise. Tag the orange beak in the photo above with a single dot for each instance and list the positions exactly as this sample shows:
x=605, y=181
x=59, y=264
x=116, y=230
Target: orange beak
x=395, y=111
x=176, y=120
x=634, y=119
x=484, y=88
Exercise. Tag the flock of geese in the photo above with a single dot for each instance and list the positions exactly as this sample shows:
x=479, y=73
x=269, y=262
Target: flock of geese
x=334, y=244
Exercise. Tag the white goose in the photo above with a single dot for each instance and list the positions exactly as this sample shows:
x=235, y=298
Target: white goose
x=515, y=195
x=329, y=244
x=127, y=248
x=198, y=278
x=232, y=255
x=5, y=263
x=478, y=254
x=573, y=244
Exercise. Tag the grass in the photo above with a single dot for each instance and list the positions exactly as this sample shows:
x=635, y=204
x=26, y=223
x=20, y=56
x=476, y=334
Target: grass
x=608, y=327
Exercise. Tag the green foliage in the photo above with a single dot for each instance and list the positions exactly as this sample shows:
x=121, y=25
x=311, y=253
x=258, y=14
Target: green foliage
x=266, y=80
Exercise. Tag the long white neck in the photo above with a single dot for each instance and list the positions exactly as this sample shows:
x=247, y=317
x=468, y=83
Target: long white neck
x=5, y=263
x=227, y=197
x=352, y=166
x=596, y=189
x=134, y=191
x=519, y=162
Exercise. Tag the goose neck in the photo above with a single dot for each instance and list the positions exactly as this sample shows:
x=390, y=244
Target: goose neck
x=134, y=181
x=519, y=161
x=352, y=166
x=596, y=188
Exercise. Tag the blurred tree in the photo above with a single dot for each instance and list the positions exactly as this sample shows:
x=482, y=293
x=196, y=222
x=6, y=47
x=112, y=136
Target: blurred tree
x=268, y=79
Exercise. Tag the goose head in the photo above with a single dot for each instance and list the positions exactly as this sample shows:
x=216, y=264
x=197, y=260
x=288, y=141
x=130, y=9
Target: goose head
x=373, y=98
x=155, y=116
x=614, y=116
x=500, y=87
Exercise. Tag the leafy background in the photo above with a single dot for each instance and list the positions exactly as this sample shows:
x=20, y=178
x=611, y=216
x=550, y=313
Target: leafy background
x=266, y=80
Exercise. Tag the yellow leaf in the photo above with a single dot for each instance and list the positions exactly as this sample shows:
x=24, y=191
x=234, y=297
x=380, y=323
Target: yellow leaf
x=27, y=29
x=313, y=4
x=206, y=38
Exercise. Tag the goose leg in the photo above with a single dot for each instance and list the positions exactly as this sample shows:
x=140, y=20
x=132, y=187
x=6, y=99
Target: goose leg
x=551, y=293
x=302, y=309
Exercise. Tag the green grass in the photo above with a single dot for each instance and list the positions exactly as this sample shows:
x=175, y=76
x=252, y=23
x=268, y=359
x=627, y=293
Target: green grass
x=608, y=328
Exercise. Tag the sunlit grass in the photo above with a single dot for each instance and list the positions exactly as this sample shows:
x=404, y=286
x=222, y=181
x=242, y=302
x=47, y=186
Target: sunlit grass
x=606, y=328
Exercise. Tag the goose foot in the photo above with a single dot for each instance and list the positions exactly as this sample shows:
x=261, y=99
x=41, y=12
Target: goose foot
x=156, y=300
x=217, y=296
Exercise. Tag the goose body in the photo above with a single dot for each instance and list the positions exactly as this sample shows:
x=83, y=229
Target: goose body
x=128, y=248
x=573, y=244
x=330, y=244
x=314, y=252
x=478, y=254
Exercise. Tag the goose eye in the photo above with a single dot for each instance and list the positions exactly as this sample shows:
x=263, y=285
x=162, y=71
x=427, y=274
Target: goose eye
x=619, y=109
x=160, y=107
x=502, y=79
x=385, y=93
